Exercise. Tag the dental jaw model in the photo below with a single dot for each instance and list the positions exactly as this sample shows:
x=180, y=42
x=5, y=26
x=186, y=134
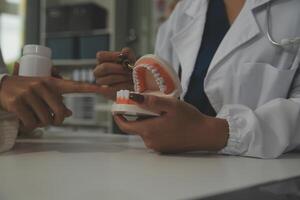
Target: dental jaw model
x=151, y=76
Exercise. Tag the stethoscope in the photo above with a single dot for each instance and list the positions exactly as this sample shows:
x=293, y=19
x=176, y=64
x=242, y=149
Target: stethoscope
x=285, y=42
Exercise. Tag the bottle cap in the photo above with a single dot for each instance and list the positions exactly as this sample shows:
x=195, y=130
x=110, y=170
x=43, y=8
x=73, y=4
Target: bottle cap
x=37, y=50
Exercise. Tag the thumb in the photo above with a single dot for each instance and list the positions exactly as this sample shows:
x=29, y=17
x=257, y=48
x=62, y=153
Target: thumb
x=16, y=69
x=153, y=103
x=129, y=53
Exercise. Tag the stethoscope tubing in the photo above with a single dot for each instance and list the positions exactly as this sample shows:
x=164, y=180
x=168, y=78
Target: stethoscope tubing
x=284, y=42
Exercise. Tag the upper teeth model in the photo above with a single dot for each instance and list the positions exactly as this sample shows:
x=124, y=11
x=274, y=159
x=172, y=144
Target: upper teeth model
x=151, y=75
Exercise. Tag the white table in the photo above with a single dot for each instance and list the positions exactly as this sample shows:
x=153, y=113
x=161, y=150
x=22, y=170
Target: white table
x=119, y=167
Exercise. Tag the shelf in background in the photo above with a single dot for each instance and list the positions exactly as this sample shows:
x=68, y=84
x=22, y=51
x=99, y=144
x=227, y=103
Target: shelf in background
x=77, y=33
x=75, y=62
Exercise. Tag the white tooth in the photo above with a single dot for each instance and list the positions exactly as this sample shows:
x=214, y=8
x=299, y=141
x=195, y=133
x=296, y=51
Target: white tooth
x=136, y=83
x=156, y=75
x=153, y=70
x=138, y=88
x=149, y=67
x=161, y=80
x=118, y=94
x=127, y=94
x=162, y=88
x=122, y=94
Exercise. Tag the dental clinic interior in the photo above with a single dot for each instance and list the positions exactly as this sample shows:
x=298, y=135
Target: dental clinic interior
x=75, y=31
x=88, y=156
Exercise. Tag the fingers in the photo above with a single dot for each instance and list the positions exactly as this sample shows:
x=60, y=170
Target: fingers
x=54, y=102
x=16, y=69
x=105, y=69
x=26, y=116
x=107, y=56
x=129, y=52
x=154, y=103
x=40, y=109
x=125, y=125
x=114, y=79
x=141, y=127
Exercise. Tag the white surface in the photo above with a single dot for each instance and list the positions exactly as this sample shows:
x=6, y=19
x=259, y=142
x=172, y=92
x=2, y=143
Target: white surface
x=119, y=167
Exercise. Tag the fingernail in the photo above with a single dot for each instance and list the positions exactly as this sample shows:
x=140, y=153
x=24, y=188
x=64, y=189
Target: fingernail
x=121, y=58
x=137, y=97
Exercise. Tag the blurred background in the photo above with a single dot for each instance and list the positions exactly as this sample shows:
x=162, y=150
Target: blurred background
x=75, y=30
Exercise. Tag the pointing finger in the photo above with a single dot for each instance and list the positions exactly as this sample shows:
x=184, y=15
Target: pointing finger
x=67, y=86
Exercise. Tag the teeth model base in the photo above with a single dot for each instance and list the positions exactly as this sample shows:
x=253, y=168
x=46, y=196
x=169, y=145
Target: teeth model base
x=151, y=75
x=131, y=110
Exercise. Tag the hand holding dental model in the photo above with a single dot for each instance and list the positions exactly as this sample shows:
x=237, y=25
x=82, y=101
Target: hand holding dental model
x=177, y=126
x=151, y=75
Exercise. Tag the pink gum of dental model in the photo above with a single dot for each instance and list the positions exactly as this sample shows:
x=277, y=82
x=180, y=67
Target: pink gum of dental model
x=163, y=82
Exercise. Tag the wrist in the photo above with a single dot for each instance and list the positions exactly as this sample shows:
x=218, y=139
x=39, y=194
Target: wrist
x=3, y=77
x=218, y=132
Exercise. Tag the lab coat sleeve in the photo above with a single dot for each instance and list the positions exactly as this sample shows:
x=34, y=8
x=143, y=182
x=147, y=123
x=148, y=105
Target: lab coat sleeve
x=266, y=132
x=9, y=126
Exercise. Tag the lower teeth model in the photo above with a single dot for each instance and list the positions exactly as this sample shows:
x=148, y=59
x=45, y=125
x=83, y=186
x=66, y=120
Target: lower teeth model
x=153, y=76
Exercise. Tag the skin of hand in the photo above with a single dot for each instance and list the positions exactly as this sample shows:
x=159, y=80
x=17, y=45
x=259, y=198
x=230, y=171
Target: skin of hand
x=38, y=102
x=111, y=75
x=179, y=128
x=54, y=73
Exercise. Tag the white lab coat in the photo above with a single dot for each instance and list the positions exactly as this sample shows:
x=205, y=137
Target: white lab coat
x=252, y=84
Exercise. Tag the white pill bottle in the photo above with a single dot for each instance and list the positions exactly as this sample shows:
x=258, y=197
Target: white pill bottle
x=36, y=61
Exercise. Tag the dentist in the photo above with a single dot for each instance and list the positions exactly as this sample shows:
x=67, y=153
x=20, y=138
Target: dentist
x=239, y=67
x=28, y=102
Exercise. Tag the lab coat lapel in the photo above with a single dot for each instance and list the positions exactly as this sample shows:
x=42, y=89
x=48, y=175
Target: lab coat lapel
x=186, y=42
x=243, y=30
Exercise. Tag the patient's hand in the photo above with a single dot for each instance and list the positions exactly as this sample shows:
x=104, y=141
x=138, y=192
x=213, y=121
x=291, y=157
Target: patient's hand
x=111, y=75
x=38, y=102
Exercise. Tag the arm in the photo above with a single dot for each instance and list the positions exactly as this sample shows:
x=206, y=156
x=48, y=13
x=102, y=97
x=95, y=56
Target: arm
x=34, y=102
x=9, y=126
x=268, y=131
